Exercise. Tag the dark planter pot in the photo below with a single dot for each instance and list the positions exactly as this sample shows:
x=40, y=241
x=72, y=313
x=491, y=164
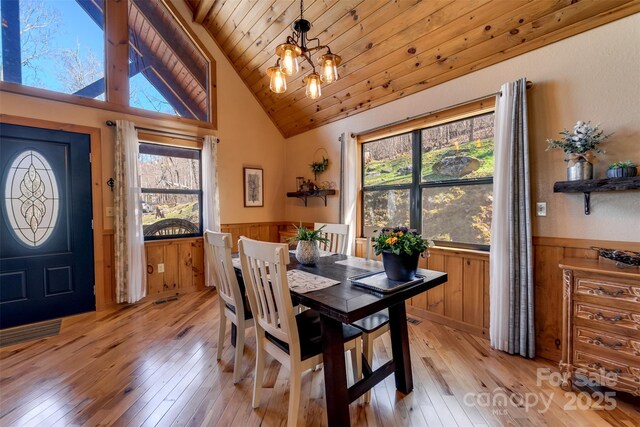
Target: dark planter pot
x=400, y=267
x=622, y=172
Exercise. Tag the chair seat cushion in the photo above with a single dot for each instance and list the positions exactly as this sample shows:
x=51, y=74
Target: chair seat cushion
x=310, y=335
x=374, y=322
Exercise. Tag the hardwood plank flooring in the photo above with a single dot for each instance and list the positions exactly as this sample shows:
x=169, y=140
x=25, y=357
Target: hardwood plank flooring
x=155, y=365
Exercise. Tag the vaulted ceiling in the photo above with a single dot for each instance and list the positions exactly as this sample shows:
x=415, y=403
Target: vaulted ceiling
x=390, y=48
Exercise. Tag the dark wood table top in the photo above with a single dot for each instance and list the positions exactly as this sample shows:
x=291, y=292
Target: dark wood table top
x=349, y=303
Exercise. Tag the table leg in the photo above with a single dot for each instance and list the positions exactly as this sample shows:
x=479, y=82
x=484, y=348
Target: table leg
x=335, y=374
x=400, y=347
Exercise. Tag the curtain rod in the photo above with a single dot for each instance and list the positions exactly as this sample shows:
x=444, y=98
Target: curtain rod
x=419, y=116
x=162, y=132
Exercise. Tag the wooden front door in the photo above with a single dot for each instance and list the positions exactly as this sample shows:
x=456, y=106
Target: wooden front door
x=46, y=236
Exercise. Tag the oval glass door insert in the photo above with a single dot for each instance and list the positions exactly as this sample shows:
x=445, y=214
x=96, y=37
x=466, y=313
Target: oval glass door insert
x=31, y=198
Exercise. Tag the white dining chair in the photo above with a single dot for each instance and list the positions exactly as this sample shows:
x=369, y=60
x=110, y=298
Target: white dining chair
x=233, y=304
x=293, y=340
x=377, y=324
x=337, y=235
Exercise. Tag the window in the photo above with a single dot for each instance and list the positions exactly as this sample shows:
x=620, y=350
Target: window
x=171, y=203
x=167, y=72
x=438, y=180
x=60, y=46
x=55, y=45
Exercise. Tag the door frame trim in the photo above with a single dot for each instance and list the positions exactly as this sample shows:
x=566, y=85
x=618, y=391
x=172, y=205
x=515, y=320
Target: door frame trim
x=96, y=190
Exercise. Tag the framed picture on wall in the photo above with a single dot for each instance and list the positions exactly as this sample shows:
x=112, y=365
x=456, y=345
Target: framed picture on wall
x=253, y=188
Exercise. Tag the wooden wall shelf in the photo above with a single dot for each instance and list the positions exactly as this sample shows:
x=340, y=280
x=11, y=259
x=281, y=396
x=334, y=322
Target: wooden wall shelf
x=595, y=185
x=322, y=194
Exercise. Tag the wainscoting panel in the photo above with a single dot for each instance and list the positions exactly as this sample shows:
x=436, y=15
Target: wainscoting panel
x=183, y=262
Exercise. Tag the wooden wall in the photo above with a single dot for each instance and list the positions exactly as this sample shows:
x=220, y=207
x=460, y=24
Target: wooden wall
x=183, y=261
x=462, y=302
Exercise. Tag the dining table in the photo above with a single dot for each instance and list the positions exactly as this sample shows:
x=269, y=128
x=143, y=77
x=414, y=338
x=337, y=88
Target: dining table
x=346, y=303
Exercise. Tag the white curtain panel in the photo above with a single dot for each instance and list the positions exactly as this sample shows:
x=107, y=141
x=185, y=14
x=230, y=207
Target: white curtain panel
x=210, y=198
x=349, y=188
x=511, y=290
x=130, y=264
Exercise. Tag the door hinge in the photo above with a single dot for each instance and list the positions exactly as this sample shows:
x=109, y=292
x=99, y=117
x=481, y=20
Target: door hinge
x=92, y=224
x=94, y=289
x=89, y=157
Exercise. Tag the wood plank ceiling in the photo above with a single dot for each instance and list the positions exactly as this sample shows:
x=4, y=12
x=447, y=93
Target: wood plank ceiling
x=390, y=49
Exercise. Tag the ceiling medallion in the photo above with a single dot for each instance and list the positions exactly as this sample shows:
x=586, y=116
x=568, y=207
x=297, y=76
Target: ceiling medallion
x=297, y=46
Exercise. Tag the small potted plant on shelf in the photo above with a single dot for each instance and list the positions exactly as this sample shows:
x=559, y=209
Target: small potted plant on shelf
x=580, y=146
x=625, y=169
x=401, y=249
x=307, y=251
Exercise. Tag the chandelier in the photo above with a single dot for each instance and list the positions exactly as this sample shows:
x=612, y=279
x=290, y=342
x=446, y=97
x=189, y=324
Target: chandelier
x=298, y=46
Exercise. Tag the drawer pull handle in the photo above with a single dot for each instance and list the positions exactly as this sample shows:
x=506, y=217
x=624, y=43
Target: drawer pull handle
x=601, y=316
x=602, y=291
x=598, y=341
x=599, y=366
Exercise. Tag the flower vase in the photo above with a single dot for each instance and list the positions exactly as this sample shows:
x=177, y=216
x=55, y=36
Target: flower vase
x=400, y=267
x=580, y=170
x=307, y=252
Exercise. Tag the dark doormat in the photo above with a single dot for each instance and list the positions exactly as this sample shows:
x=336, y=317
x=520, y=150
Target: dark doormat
x=26, y=333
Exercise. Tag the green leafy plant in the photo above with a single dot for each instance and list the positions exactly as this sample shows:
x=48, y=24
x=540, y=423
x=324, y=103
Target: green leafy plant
x=319, y=167
x=584, y=137
x=400, y=240
x=307, y=235
x=623, y=164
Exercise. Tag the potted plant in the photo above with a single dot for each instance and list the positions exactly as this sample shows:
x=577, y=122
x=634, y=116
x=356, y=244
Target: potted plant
x=625, y=169
x=401, y=249
x=580, y=145
x=307, y=251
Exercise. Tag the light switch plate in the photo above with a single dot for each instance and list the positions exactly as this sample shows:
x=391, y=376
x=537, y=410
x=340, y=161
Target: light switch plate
x=109, y=211
x=541, y=209
x=160, y=268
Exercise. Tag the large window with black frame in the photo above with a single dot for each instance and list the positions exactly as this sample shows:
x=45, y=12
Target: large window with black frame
x=438, y=180
x=170, y=178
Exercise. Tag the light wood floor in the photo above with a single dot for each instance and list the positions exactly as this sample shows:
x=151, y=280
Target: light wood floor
x=155, y=365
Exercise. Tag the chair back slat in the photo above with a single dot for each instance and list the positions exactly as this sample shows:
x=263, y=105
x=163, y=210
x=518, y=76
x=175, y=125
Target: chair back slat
x=264, y=270
x=219, y=254
x=369, y=252
x=337, y=235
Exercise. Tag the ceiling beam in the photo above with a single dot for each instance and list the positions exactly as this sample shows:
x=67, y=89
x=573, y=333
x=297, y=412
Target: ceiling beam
x=202, y=10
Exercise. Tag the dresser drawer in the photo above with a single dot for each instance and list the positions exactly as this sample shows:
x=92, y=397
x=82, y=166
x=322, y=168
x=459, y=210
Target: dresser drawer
x=611, y=291
x=594, y=340
x=612, y=369
x=599, y=316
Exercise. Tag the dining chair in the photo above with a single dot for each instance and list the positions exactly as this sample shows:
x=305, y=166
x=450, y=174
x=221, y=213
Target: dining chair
x=337, y=235
x=293, y=340
x=373, y=326
x=233, y=304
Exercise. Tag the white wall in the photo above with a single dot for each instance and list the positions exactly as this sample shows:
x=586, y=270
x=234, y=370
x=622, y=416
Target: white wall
x=592, y=76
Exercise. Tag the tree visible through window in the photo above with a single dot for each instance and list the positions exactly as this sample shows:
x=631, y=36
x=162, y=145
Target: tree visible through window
x=449, y=197
x=170, y=178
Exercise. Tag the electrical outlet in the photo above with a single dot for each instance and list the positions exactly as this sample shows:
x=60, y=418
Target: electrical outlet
x=110, y=211
x=160, y=268
x=541, y=209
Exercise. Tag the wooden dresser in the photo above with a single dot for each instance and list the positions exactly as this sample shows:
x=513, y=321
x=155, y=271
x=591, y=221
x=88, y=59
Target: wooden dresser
x=601, y=324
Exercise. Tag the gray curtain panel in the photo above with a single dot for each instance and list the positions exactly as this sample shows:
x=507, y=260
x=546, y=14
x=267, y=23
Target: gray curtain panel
x=521, y=290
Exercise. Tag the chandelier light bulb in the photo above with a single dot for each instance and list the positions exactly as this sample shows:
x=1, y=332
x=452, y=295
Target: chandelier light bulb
x=278, y=82
x=313, y=90
x=329, y=67
x=289, y=54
